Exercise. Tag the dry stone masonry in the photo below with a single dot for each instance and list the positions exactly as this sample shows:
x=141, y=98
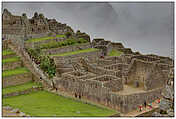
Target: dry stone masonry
x=120, y=82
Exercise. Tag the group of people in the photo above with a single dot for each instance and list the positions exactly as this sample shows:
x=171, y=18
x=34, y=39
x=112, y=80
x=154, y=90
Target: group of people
x=147, y=105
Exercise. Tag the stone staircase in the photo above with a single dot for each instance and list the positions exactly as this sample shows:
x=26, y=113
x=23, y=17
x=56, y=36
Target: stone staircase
x=28, y=62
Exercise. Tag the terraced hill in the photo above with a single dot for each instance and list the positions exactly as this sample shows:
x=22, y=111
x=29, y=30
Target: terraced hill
x=21, y=91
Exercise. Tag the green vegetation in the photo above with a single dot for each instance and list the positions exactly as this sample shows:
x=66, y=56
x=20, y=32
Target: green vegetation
x=68, y=34
x=115, y=53
x=47, y=65
x=60, y=36
x=43, y=103
x=7, y=52
x=76, y=52
x=45, y=62
x=44, y=38
x=16, y=71
x=12, y=59
x=55, y=44
x=21, y=87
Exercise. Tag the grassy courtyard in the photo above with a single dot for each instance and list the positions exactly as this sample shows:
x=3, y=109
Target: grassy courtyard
x=11, y=59
x=76, y=52
x=20, y=87
x=16, y=71
x=115, y=53
x=43, y=103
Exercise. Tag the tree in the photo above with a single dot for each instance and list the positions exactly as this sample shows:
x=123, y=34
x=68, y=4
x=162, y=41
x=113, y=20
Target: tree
x=68, y=34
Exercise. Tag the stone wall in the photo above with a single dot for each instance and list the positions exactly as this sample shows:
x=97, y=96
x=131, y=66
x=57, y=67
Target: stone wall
x=148, y=74
x=67, y=49
x=76, y=57
x=12, y=65
x=27, y=91
x=17, y=79
x=131, y=102
x=94, y=91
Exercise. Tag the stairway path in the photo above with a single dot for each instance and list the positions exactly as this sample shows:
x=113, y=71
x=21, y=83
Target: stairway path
x=28, y=62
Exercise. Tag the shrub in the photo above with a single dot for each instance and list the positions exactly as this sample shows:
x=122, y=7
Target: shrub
x=47, y=65
x=68, y=34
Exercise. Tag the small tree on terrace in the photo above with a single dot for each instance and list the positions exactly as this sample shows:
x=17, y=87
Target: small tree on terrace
x=68, y=34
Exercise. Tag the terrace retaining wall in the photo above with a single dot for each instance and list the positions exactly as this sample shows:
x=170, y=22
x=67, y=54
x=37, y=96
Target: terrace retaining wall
x=27, y=91
x=69, y=48
x=12, y=65
x=17, y=79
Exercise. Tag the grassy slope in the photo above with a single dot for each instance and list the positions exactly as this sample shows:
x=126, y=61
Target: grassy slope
x=76, y=52
x=12, y=59
x=115, y=53
x=16, y=71
x=21, y=87
x=43, y=103
x=44, y=38
x=7, y=52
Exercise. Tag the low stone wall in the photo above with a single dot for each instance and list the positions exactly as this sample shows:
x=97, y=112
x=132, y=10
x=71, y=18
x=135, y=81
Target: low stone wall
x=4, y=44
x=12, y=65
x=27, y=91
x=8, y=56
x=67, y=49
x=37, y=44
x=76, y=57
x=16, y=79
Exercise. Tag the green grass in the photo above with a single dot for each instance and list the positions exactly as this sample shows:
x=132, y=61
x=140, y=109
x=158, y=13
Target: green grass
x=55, y=44
x=76, y=52
x=43, y=103
x=16, y=71
x=11, y=59
x=7, y=52
x=60, y=36
x=115, y=53
x=39, y=39
x=21, y=87
x=44, y=38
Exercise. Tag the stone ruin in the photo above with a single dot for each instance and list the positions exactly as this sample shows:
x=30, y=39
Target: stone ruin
x=37, y=26
x=120, y=82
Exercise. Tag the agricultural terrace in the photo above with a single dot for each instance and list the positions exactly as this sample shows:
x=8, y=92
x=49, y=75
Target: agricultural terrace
x=44, y=38
x=115, y=53
x=11, y=59
x=43, y=103
x=16, y=71
x=7, y=52
x=76, y=52
x=18, y=88
x=55, y=44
